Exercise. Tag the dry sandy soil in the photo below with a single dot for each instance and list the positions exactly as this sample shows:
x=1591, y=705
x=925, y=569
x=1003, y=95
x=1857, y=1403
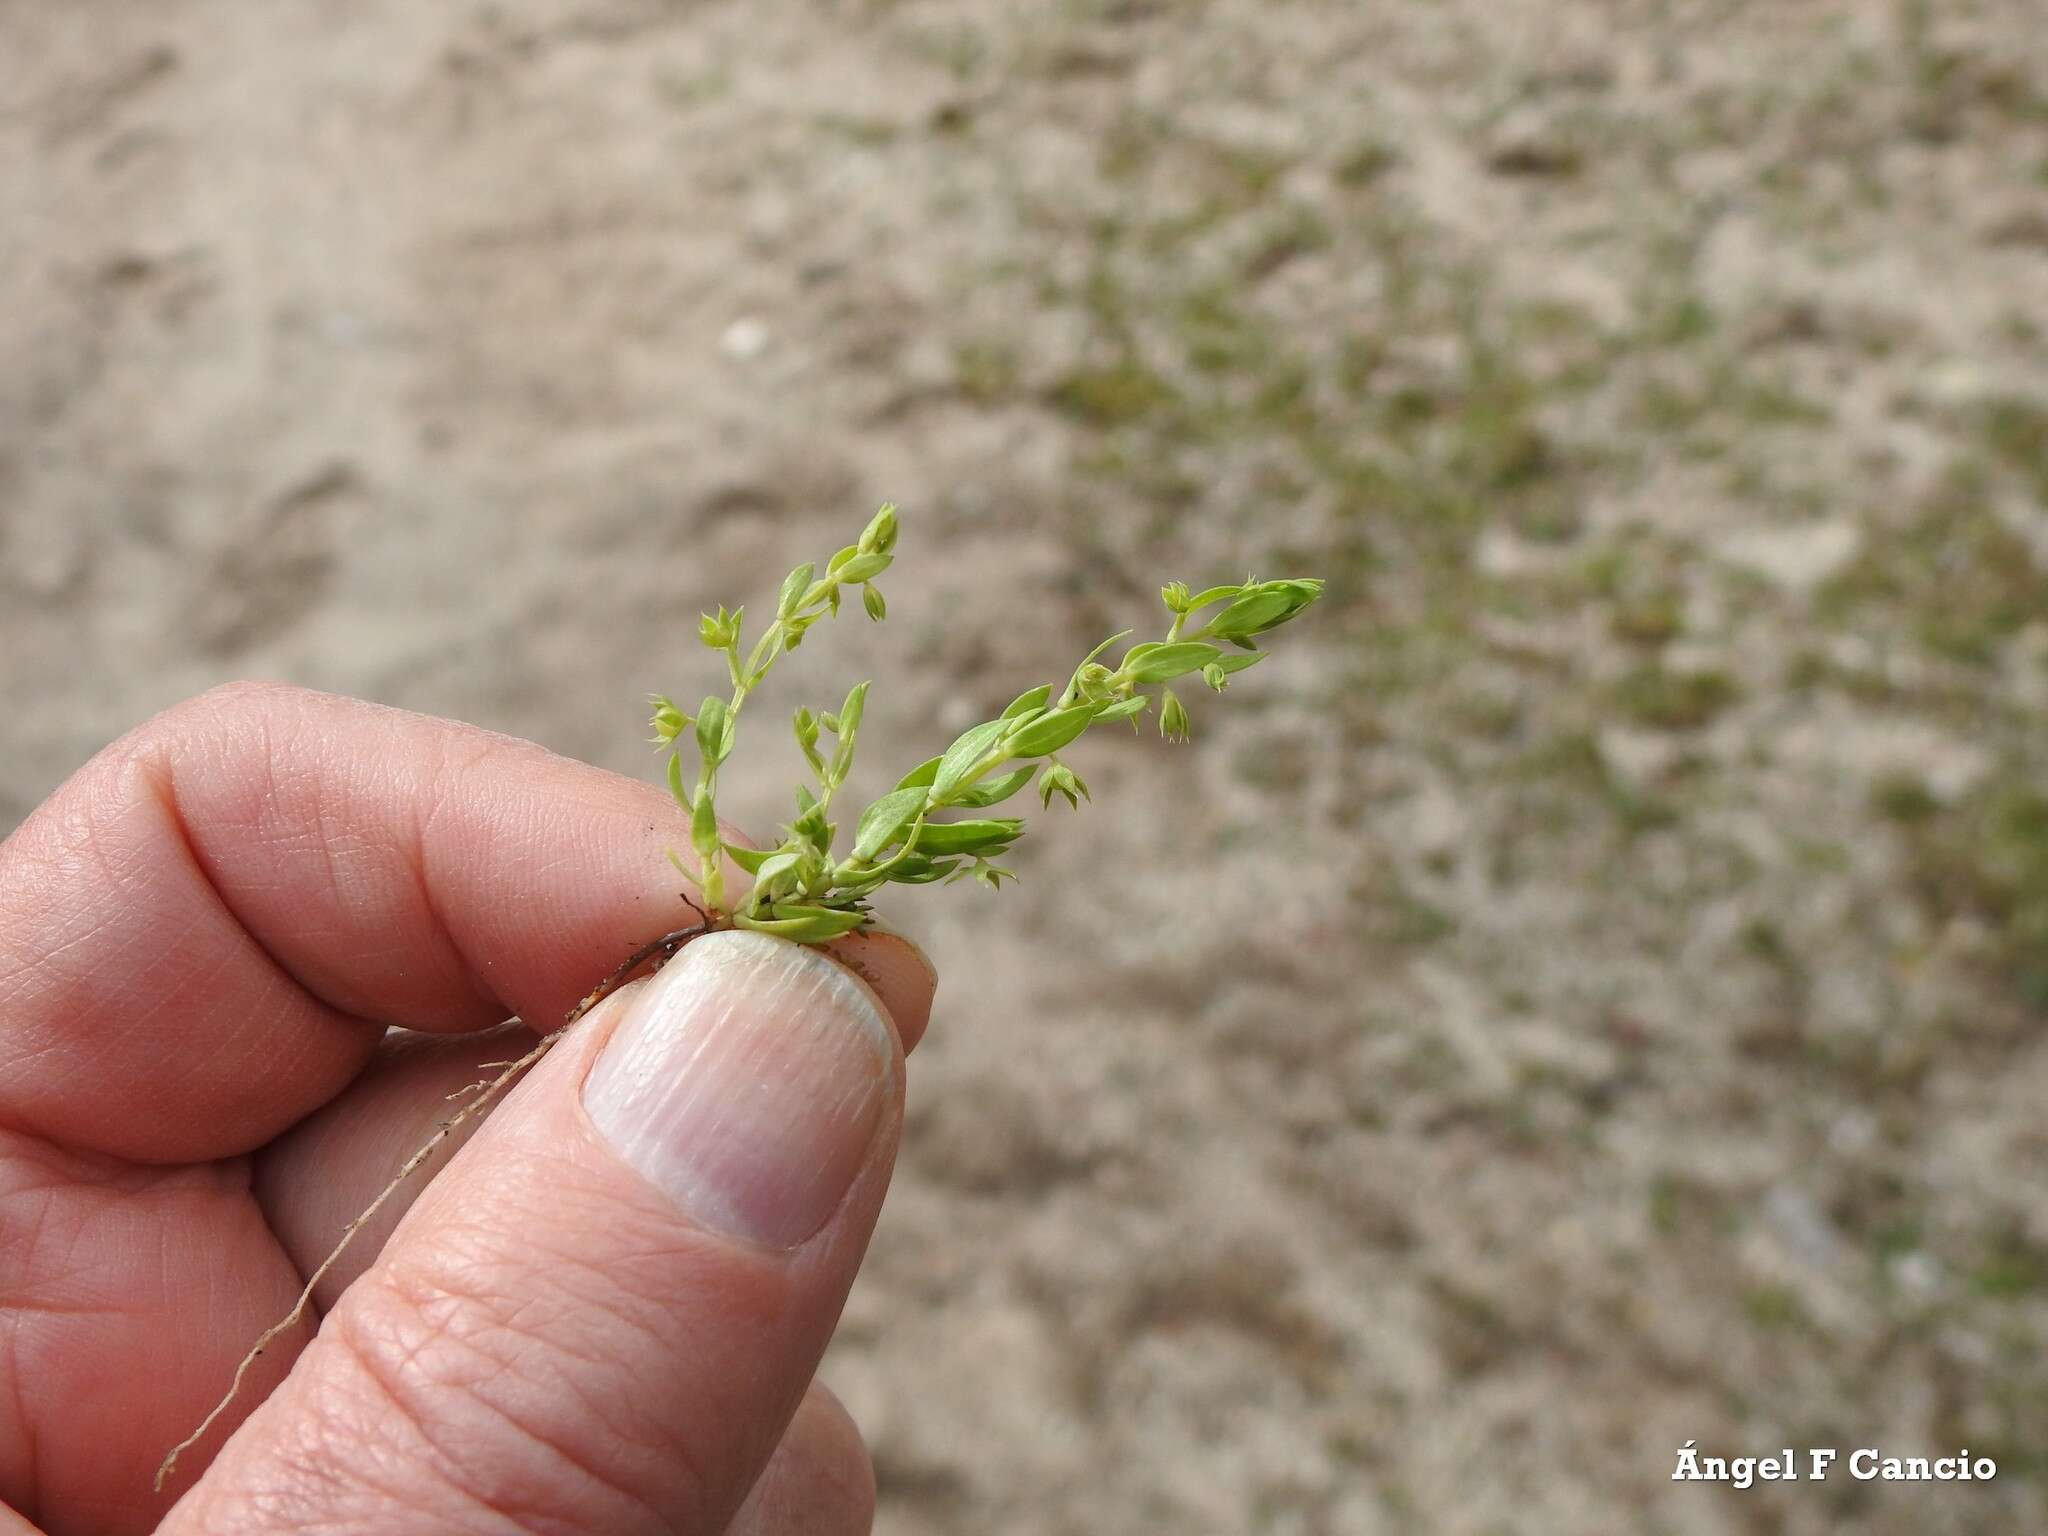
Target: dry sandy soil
x=1584, y=994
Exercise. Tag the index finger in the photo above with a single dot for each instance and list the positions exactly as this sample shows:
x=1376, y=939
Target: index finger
x=205, y=931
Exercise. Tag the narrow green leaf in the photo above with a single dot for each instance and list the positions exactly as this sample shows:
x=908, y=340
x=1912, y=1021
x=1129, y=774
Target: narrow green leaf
x=885, y=819
x=1171, y=661
x=990, y=836
x=675, y=780
x=925, y=876
x=704, y=828
x=1208, y=595
x=849, y=725
x=995, y=791
x=1050, y=732
x=794, y=585
x=1112, y=640
x=711, y=731
x=1025, y=703
x=806, y=925
x=961, y=758
x=862, y=568
x=1123, y=709
x=921, y=775
x=749, y=859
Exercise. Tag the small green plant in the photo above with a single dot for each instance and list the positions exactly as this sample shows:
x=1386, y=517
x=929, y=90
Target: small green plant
x=802, y=889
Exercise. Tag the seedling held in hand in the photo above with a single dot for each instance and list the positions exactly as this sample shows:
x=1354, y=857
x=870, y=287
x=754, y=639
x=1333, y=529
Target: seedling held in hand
x=803, y=888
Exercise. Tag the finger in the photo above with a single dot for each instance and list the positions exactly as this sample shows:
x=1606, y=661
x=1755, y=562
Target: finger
x=603, y=1314
x=819, y=1482
x=317, y=1177
x=204, y=931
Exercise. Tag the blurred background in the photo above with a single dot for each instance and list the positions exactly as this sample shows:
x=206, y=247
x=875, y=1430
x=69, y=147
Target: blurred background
x=1583, y=994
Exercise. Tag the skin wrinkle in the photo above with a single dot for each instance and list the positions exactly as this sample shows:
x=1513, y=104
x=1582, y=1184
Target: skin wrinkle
x=444, y=782
x=422, y=1408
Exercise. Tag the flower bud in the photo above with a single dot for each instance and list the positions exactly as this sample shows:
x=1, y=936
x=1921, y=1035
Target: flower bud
x=1173, y=717
x=879, y=537
x=1175, y=595
x=668, y=721
x=1215, y=677
x=871, y=599
x=1059, y=779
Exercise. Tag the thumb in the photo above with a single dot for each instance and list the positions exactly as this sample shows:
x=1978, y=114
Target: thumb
x=603, y=1313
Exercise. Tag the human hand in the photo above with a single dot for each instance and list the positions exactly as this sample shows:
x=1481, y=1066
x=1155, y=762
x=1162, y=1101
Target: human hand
x=603, y=1316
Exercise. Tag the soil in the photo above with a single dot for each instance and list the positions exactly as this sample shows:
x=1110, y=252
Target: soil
x=1582, y=994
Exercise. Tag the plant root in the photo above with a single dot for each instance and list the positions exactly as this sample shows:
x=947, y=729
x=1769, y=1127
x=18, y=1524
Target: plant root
x=660, y=952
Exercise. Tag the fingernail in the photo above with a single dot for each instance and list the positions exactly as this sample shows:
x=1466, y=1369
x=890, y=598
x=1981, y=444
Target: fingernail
x=746, y=1081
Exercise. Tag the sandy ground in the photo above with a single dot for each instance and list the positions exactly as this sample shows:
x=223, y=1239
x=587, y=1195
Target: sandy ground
x=1583, y=995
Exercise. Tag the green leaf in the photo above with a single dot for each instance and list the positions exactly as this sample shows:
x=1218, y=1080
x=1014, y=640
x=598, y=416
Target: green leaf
x=1025, y=703
x=1238, y=663
x=850, y=711
x=806, y=925
x=995, y=791
x=704, y=828
x=924, y=876
x=794, y=585
x=810, y=825
x=921, y=775
x=711, y=730
x=675, y=780
x=848, y=726
x=883, y=821
x=1048, y=733
x=749, y=859
x=1170, y=661
x=1123, y=709
x=861, y=568
x=1210, y=595
x=1263, y=607
x=990, y=836
x=1112, y=640
x=964, y=756
x=778, y=863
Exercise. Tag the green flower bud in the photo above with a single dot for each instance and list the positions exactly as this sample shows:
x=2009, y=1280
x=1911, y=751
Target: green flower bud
x=1059, y=779
x=1175, y=595
x=1215, y=677
x=879, y=537
x=1173, y=717
x=871, y=599
x=668, y=721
